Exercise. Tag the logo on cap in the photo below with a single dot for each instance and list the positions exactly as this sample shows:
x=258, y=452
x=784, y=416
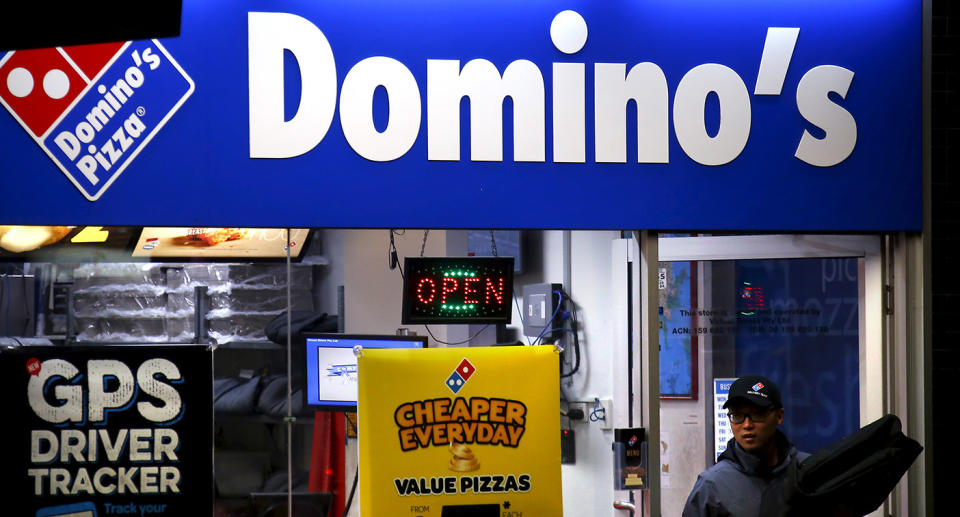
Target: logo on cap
x=758, y=386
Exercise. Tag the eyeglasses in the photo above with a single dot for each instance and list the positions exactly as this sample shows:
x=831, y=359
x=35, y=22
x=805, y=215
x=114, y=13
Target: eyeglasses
x=755, y=416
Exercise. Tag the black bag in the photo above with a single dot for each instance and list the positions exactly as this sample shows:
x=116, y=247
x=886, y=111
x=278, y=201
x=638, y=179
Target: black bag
x=857, y=473
x=273, y=397
x=277, y=481
x=300, y=322
x=235, y=395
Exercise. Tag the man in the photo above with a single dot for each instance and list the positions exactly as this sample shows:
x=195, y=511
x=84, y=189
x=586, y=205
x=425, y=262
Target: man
x=758, y=454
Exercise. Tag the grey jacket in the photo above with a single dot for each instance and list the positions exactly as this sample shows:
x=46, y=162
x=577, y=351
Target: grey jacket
x=733, y=487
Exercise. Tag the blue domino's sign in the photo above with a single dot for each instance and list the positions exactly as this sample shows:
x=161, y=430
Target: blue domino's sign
x=661, y=114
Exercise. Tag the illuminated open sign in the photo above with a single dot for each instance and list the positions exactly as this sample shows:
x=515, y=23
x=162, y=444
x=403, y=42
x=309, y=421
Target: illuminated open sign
x=457, y=290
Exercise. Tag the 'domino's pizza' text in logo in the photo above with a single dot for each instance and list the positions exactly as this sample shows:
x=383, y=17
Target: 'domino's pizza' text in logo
x=93, y=108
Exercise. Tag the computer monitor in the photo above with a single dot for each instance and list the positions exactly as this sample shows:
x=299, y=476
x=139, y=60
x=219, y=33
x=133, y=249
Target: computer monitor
x=331, y=366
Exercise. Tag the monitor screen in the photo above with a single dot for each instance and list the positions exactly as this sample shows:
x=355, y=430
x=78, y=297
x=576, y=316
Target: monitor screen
x=332, y=366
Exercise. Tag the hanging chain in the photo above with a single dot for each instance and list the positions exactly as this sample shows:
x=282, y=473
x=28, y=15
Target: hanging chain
x=392, y=253
x=423, y=246
x=493, y=244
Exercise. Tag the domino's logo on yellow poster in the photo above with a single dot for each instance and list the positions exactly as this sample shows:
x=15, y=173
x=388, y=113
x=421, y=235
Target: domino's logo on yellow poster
x=93, y=108
x=484, y=444
x=460, y=376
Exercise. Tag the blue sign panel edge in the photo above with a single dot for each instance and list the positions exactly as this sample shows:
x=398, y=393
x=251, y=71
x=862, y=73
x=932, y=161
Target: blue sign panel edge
x=198, y=170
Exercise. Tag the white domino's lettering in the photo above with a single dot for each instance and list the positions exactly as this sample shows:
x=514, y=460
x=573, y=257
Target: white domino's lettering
x=271, y=136
x=112, y=99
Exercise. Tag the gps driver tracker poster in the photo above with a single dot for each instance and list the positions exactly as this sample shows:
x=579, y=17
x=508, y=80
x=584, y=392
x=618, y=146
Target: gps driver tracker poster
x=111, y=430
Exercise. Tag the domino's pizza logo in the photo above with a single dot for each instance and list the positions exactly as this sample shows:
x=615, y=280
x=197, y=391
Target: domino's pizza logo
x=758, y=386
x=93, y=108
x=460, y=376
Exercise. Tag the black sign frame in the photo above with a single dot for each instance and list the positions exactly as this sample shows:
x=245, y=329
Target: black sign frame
x=152, y=436
x=471, y=283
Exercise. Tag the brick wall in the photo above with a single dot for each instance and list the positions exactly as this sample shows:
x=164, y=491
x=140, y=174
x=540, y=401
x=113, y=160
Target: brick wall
x=945, y=233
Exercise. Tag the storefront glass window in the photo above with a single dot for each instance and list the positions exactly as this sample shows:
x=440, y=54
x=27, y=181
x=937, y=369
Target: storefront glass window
x=223, y=288
x=795, y=321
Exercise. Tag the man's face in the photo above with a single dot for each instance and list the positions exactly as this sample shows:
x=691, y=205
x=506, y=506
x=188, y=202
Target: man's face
x=755, y=433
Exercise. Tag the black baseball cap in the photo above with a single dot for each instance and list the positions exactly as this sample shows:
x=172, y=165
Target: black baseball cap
x=754, y=389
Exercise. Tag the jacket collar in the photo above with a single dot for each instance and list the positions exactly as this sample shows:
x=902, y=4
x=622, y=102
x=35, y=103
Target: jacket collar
x=755, y=465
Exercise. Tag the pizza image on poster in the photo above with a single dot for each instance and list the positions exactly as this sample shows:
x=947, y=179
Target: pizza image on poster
x=459, y=432
x=93, y=431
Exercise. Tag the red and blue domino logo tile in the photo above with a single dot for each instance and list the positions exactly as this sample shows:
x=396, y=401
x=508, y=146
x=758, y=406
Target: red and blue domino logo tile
x=460, y=376
x=93, y=108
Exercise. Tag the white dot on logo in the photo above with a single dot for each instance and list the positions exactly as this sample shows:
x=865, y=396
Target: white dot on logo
x=459, y=382
x=465, y=369
x=20, y=82
x=451, y=382
x=568, y=32
x=56, y=84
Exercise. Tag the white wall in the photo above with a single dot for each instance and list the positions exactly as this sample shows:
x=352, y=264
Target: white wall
x=682, y=430
x=588, y=484
x=372, y=291
x=329, y=274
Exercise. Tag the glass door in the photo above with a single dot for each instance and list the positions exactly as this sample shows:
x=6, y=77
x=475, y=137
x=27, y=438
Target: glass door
x=804, y=311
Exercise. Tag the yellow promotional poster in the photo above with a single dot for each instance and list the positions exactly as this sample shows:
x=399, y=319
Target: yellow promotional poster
x=460, y=432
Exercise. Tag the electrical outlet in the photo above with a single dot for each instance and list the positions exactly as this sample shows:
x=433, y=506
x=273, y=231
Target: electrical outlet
x=596, y=411
x=583, y=408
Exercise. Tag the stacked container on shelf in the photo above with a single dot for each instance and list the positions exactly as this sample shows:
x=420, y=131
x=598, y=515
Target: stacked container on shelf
x=155, y=303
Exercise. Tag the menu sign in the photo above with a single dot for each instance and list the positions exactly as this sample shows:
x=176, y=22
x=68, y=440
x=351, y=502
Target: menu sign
x=219, y=242
x=721, y=424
